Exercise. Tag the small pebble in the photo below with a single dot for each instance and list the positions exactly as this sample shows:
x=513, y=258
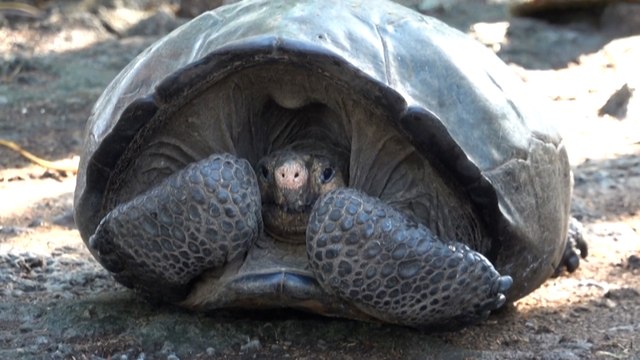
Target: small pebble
x=559, y=354
x=37, y=222
x=252, y=346
x=167, y=348
x=65, y=219
x=633, y=262
x=610, y=304
x=621, y=293
x=623, y=328
x=14, y=230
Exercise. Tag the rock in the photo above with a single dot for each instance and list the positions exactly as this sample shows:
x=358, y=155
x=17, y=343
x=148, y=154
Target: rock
x=322, y=344
x=559, y=354
x=251, y=346
x=608, y=303
x=621, y=19
x=37, y=222
x=633, y=262
x=193, y=8
x=617, y=104
x=554, y=8
x=167, y=348
x=623, y=328
x=13, y=230
x=65, y=219
x=119, y=20
x=62, y=351
x=625, y=293
x=160, y=23
x=19, y=9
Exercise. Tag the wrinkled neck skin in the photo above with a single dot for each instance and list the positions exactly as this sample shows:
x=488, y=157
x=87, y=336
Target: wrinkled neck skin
x=292, y=179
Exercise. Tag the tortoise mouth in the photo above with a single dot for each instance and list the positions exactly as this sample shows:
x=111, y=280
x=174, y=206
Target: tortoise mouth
x=286, y=224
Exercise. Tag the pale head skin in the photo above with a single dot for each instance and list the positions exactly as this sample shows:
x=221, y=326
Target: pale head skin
x=291, y=181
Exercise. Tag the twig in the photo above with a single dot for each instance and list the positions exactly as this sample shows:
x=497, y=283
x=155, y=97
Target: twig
x=37, y=160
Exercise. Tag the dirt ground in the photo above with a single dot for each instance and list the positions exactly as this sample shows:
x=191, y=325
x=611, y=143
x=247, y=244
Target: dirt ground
x=57, y=302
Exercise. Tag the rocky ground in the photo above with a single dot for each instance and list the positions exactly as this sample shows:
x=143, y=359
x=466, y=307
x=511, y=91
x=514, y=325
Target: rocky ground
x=57, y=302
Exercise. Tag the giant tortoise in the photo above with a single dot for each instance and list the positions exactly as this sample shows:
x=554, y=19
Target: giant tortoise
x=349, y=158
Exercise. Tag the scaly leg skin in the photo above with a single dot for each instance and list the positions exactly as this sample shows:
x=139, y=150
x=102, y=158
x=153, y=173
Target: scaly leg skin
x=575, y=249
x=199, y=218
x=369, y=254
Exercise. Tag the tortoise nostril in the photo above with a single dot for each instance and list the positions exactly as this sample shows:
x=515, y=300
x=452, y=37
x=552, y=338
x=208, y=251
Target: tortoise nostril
x=291, y=174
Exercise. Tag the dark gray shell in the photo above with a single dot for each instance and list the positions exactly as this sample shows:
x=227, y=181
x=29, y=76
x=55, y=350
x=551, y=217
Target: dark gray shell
x=454, y=100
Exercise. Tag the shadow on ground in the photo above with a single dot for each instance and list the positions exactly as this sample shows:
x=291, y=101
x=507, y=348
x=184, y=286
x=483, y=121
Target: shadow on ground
x=120, y=324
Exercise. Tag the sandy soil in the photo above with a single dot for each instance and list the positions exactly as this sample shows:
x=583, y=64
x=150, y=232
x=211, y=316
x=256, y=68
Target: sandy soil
x=56, y=301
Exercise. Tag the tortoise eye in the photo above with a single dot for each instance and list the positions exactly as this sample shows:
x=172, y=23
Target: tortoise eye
x=264, y=171
x=327, y=175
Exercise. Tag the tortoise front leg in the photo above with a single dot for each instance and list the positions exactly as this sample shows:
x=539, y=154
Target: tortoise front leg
x=370, y=254
x=200, y=218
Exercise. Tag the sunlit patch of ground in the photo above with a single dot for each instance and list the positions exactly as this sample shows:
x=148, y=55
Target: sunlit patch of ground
x=19, y=195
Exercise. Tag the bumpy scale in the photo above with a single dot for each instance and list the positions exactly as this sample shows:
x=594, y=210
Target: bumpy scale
x=394, y=269
x=199, y=218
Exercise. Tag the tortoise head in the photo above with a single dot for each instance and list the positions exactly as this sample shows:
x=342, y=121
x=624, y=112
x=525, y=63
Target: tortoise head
x=291, y=181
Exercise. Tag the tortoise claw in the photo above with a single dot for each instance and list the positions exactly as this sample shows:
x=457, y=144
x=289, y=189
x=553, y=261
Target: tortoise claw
x=100, y=242
x=500, y=301
x=502, y=284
